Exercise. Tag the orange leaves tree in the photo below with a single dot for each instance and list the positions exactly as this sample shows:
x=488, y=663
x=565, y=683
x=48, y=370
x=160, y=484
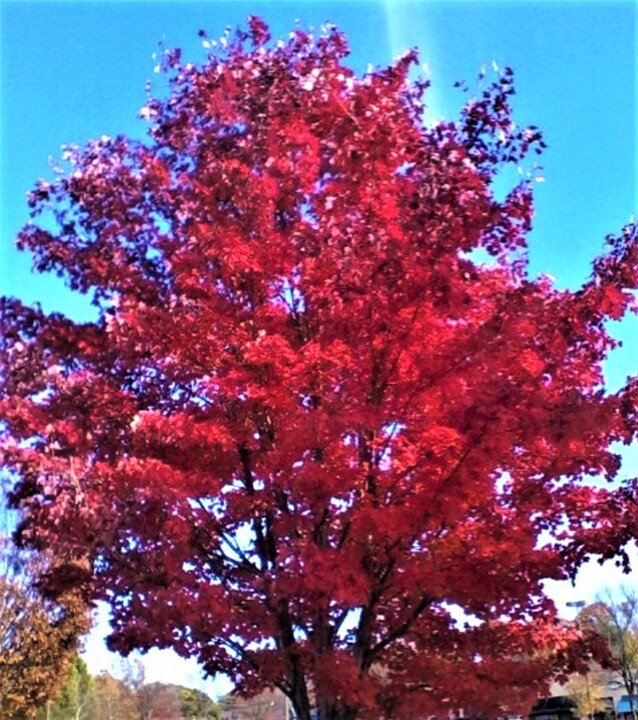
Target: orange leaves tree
x=309, y=426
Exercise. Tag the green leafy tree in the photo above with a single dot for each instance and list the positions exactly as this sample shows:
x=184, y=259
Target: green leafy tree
x=77, y=698
x=197, y=705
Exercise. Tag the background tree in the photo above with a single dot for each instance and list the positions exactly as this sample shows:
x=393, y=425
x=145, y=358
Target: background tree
x=157, y=701
x=267, y=705
x=588, y=693
x=308, y=424
x=615, y=618
x=197, y=705
x=114, y=699
x=160, y=702
x=38, y=637
x=76, y=700
x=134, y=677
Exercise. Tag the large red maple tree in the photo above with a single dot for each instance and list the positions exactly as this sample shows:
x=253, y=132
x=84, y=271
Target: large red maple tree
x=312, y=428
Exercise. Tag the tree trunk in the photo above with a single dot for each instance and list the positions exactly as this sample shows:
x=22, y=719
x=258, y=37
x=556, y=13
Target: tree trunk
x=327, y=710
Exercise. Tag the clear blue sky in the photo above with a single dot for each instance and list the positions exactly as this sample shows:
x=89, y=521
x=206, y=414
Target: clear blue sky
x=76, y=70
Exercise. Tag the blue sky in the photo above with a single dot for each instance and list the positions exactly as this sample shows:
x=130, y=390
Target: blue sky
x=72, y=71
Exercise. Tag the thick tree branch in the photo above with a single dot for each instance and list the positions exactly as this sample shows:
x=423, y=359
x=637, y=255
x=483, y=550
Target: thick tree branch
x=401, y=629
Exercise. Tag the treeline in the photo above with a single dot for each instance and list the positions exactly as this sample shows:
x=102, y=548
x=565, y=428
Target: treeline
x=105, y=697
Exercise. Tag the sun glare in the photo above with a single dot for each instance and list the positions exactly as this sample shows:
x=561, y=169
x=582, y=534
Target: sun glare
x=406, y=27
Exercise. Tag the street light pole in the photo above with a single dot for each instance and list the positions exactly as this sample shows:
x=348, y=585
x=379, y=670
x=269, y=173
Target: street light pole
x=578, y=604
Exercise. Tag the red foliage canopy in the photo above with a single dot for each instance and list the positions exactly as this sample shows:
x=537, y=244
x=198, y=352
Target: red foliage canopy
x=308, y=425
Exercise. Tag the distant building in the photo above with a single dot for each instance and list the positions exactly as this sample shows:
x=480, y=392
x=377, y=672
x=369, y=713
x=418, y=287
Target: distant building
x=557, y=707
x=562, y=705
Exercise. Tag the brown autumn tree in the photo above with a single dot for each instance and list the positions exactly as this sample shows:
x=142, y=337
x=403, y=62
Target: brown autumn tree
x=38, y=636
x=114, y=699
